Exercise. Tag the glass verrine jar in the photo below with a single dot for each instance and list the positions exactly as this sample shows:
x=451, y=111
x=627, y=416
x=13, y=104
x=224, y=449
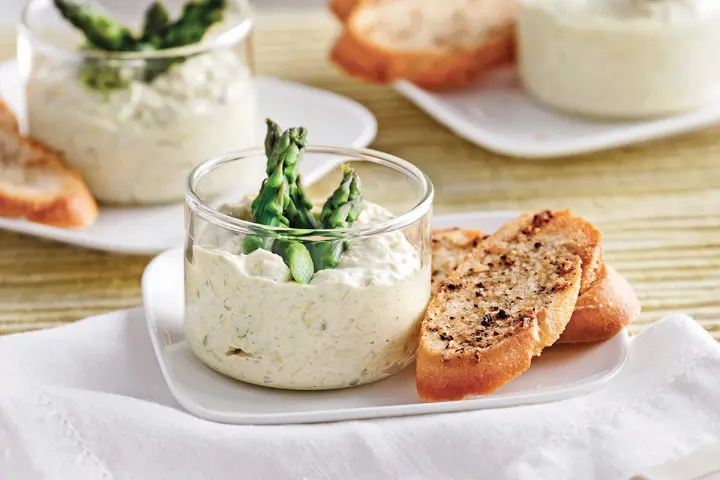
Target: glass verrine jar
x=134, y=124
x=247, y=318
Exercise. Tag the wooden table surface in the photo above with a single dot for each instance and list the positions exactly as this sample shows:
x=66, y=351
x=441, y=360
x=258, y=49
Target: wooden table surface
x=658, y=205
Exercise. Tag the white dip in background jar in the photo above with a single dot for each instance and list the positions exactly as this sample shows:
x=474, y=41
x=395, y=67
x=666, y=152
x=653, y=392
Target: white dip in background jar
x=620, y=58
x=136, y=144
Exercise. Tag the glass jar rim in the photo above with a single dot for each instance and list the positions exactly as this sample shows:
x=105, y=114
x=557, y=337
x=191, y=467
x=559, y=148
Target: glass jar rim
x=233, y=35
x=212, y=215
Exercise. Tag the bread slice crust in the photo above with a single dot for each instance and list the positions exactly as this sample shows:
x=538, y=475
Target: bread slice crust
x=511, y=298
x=342, y=8
x=430, y=67
x=37, y=184
x=604, y=309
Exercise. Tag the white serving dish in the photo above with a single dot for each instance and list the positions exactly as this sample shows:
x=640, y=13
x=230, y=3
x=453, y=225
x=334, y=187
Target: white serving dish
x=497, y=114
x=331, y=120
x=561, y=372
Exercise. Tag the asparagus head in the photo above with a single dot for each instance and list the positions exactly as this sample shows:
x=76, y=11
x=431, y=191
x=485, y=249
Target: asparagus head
x=100, y=30
x=197, y=18
x=105, y=33
x=341, y=210
x=157, y=21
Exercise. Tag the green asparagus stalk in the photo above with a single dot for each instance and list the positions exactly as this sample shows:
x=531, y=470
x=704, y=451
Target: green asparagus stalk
x=268, y=209
x=341, y=210
x=274, y=132
x=157, y=21
x=283, y=201
x=101, y=30
x=273, y=202
x=196, y=19
x=299, y=209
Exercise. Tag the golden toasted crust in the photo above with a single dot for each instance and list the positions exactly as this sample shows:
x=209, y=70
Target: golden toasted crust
x=37, y=184
x=342, y=8
x=428, y=67
x=607, y=307
x=528, y=277
x=440, y=378
x=604, y=309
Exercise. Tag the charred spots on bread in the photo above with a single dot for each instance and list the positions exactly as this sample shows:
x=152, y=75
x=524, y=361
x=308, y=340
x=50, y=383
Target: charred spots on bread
x=539, y=220
x=564, y=267
x=560, y=285
x=506, y=260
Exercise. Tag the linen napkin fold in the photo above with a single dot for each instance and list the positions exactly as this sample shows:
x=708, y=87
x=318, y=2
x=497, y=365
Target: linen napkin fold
x=87, y=401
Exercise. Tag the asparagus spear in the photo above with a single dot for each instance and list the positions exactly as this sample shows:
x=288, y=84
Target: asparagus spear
x=268, y=209
x=271, y=204
x=157, y=21
x=105, y=33
x=299, y=209
x=341, y=210
x=274, y=132
x=197, y=18
x=102, y=31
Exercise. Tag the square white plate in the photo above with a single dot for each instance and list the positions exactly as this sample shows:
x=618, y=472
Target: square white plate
x=561, y=372
x=497, y=114
x=331, y=120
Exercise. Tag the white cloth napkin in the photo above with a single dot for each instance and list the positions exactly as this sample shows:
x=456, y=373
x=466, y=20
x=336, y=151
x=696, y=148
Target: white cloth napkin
x=87, y=401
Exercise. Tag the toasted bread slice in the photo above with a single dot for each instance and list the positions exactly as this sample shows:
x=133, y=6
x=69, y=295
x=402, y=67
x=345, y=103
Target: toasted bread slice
x=607, y=307
x=450, y=246
x=436, y=45
x=602, y=310
x=35, y=183
x=512, y=297
x=342, y=8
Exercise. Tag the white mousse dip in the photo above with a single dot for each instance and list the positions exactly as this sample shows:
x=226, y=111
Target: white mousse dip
x=137, y=144
x=246, y=318
x=620, y=58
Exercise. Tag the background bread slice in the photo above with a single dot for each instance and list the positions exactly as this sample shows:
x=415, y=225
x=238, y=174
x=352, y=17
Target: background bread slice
x=607, y=307
x=602, y=310
x=436, y=45
x=511, y=298
x=35, y=183
x=342, y=8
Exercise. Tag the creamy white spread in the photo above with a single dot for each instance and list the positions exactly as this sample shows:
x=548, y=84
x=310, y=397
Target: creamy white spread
x=136, y=145
x=621, y=58
x=355, y=324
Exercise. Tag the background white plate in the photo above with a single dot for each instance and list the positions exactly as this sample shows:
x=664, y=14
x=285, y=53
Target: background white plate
x=331, y=120
x=497, y=114
x=561, y=372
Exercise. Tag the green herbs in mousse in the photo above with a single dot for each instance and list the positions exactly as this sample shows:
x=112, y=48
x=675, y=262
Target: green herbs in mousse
x=283, y=202
x=160, y=32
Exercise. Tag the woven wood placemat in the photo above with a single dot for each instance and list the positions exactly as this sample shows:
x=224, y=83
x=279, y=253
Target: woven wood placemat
x=658, y=205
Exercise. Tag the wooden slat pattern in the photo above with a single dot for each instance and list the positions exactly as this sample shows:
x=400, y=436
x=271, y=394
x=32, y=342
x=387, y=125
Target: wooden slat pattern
x=658, y=205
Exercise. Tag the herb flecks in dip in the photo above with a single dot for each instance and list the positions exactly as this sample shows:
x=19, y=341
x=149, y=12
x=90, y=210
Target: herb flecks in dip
x=297, y=311
x=350, y=325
